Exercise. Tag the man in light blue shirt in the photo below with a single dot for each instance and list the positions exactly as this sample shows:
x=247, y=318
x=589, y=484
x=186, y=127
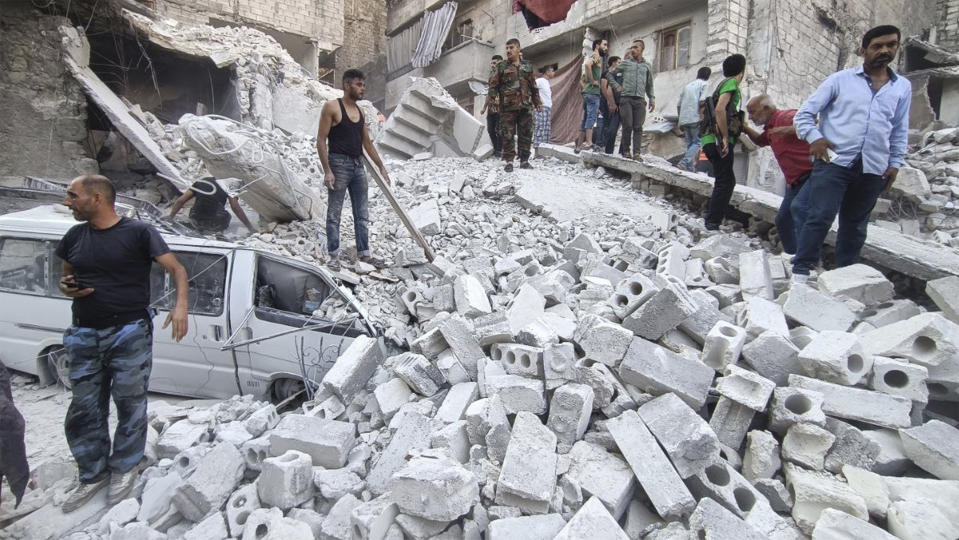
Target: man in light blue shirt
x=859, y=146
x=693, y=94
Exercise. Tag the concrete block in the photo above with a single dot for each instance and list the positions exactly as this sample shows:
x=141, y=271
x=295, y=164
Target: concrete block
x=858, y=404
x=933, y=446
x=426, y=217
x=806, y=445
x=780, y=500
x=436, y=488
x=330, y=408
x=761, y=315
x=656, y=370
x=492, y=328
x=945, y=293
x=482, y=415
x=211, y=528
x=662, y=312
x=918, y=520
x=419, y=374
x=542, y=331
x=852, y=447
x=215, y=478
x=687, y=439
x=671, y=260
x=430, y=344
x=327, y=442
x=871, y=487
x=559, y=361
x=337, y=524
x=459, y=335
x=816, y=310
x=122, y=513
x=455, y=439
x=927, y=339
x=859, y=282
x=544, y=527
x=286, y=481
x=761, y=459
x=335, y=483
x=312, y=519
x=711, y=520
x=178, y=437
x=602, y=475
x=592, y=520
x=652, y=468
x=451, y=368
x=261, y=420
x=723, y=345
x=730, y=421
x=722, y=271
x=569, y=412
x=773, y=356
x=698, y=325
x=518, y=393
x=136, y=531
x=837, y=525
x=696, y=274
x=892, y=459
x=754, y=275
x=353, y=368
x=814, y=492
x=528, y=476
x=801, y=336
x=630, y=293
x=745, y=387
x=722, y=483
x=471, y=299
x=412, y=434
x=791, y=405
x=835, y=357
x=372, y=519
x=419, y=528
x=519, y=359
x=526, y=306
x=891, y=376
x=157, y=497
x=392, y=395
x=457, y=400
x=604, y=342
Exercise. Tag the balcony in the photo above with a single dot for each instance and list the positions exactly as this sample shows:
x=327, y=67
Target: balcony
x=461, y=64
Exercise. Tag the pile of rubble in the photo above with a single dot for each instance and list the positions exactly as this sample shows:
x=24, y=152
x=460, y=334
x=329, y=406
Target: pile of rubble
x=648, y=382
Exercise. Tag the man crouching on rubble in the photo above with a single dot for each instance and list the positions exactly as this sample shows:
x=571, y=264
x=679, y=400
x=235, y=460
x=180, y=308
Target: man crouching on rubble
x=106, y=270
x=342, y=123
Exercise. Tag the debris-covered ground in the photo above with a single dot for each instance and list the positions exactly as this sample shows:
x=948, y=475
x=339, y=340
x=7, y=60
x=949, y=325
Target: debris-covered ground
x=600, y=373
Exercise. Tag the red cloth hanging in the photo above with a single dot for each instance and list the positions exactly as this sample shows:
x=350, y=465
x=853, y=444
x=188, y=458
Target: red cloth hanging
x=548, y=11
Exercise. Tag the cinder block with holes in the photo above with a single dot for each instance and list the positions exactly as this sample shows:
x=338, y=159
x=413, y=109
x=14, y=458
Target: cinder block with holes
x=730, y=421
x=569, y=412
x=892, y=376
x=792, y=405
x=687, y=439
x=519, y=359
x=668, y=307
x=630, y=293
x=726, y=486
x=286, y=481
x=411, y=300
x=255, y=451
x=928, y=339
x=858, y=404
x=696, y=274
x=672, y=260
x=835, y=357
x=239, y=506
x=723, y=345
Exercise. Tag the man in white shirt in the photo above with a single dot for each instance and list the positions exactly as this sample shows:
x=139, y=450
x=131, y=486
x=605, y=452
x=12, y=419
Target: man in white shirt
x=541, y=120
x=693, y=94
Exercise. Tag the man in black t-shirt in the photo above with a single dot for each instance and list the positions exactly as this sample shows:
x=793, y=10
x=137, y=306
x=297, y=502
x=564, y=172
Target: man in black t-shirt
x=208, y=213
x=106, y=270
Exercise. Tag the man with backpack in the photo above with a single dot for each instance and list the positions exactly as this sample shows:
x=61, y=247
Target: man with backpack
x=722, y=123
x=690, y=102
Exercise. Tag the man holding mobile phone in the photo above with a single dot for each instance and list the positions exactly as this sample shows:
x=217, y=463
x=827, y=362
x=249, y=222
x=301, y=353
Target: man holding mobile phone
x=858, y=147
x=106, y=262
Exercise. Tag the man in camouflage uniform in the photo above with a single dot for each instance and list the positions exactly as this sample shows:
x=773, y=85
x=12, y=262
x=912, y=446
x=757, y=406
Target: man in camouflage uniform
x=513, y=93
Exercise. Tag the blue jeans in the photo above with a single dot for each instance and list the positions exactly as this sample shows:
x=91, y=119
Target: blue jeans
x=590, y=112
x=833, y=190
x=787, y=221
x=350, y=176
x=113, y=361
x=691, y=131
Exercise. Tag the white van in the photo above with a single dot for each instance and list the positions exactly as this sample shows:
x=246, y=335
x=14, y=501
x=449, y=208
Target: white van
x=254, y=316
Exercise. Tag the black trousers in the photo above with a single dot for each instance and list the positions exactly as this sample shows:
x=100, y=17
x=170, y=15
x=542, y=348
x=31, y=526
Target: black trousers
x=492, y=127
x=723, y=185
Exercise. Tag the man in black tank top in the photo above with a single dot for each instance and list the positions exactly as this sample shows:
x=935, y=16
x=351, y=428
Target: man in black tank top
x=341, y=122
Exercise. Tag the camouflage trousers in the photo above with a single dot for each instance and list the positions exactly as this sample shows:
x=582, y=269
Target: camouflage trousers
x=520, y=124
x=113, y=361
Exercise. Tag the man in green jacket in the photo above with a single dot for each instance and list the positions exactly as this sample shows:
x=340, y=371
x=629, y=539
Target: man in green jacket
x=637, y=86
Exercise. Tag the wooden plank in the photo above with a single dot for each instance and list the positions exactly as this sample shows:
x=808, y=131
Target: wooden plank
x=400, y=211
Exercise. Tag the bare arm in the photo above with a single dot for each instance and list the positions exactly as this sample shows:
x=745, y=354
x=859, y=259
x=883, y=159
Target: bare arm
x=178, y=315
x=67, y=277
x=238, y=210
x=755, y=136
x=180, y=201
x=721, y=121
x=374, y=155
x=326, y=122
x=589, y=69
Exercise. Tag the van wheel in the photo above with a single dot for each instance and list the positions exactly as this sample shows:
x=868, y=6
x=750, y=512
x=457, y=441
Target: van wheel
x=285, y=388
x=58, y=362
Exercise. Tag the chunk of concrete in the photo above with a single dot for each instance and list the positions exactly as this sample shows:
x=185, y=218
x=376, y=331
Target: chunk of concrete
x=761, y=459
x=604, y=342
x=327, y=442
x=891, y=459
x=857, y=281
x=526, y=306
x=569, y=412
x=426, y=217
x=286, y=481
x=211, y=528
x=455, y=439
x=543, y=527
x=652, y=468
x=698, y=325
x=178, y=437
x=835, y=357
x=559, y=362
x=745, y=387
x=239, y=507
x=353, y=368
x=215, y=478
x=792, y=405
x=337, y=524
x=335, y=483
x=871, y=487
x=919, y=520
x=457, y=400
x=773, y=356
x=602, y=475
x=816, y=310
x=891, y=376
x=664, y=311
x=687, y=439
x=858, y=404
x=518, y=393
x=852, y=447
x=780, y=500
x=528, y=476
x=711, y=520
x=657, y=370
x=436, y=488
x=754, y=275
x=471, y=299
x=723, y=345
x=261, y=420
x=412, y=434
x=837, y=525
x=814, y=492
x=592, y=520
x=945, y=293
x=928, y=339
x=730, y=421
x=419, y=374
x=372, y=519
x=419, y=528
x=761, y=315
x=934, y=446
x=806, y=445
x=392, y=395
x=459, y=336
x=482, y=415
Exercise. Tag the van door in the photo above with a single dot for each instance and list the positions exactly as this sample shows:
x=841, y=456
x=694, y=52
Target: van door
x=284, y=333
x=195, y=366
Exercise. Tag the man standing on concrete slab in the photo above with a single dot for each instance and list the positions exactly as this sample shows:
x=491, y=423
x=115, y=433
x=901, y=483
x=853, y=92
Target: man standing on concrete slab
x=859, y=146
x=637, y=85
x=721, y=126
x=342, y=158
x=208, y=213
x=541, y=131
x=513, y=94
x=611, y=101
x=492, y=119
x=106, y=264
x=690, y=101
x=792, y=154
x=592, y=71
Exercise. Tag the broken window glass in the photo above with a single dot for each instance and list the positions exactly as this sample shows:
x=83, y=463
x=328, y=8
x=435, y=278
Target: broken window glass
x=286, y=288
x=25, y=266
x=207, y=275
